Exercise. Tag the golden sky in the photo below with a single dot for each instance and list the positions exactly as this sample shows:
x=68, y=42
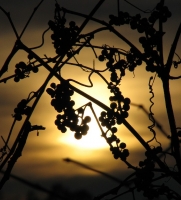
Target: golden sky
x=42, y=159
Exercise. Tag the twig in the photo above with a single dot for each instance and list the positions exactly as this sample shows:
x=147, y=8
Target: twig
x=31, y=16
x=92, y=169
x=173, y=48
x=11, y=22
x=35, y=186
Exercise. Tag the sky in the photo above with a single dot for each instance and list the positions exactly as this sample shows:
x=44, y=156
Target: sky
x=42, y=159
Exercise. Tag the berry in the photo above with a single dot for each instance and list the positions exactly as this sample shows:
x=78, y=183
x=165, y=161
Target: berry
x=35, y=69
x=77, y=135
x=113, y=105
x=127, y=101
x=122, y=145
x=72, y=24
x=114, y=130
x=86, y=120
x=16, y=79
x=101, y=58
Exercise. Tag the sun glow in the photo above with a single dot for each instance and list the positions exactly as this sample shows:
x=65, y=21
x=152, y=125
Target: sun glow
x=92, y=140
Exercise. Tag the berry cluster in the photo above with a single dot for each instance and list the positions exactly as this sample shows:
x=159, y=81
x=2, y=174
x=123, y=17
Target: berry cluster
x=119, y=110
x=21, y=109
x=154, y=151
x=133, y=59
x=151, y=55
x=117, y=66
x=62, y=36
x=123, y=18
x=108, y=54
x=22, y=70
x=151, y=41
x=141, y=24
x=144, y=178
x=145, y=174
x=120, y=105
x=83, y=128
x=120, y=151
x=107, y=119
x=161, y=12
x=112, y=64
x=67, y=117
x=121, y=65
x=61, y=96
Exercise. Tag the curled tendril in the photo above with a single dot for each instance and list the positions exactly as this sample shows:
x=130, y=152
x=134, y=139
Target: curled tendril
x=151, y=118
x=43, y=40
x=89, y=78
x=176, y=63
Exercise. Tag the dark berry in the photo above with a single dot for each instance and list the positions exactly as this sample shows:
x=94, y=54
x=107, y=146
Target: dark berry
x=122, y=145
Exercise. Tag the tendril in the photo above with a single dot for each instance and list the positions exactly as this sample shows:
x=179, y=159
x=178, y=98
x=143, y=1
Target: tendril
x=89, y=78
x=43, y=40
x=151, y=118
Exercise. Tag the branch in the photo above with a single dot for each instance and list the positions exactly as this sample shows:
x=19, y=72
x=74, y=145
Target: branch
x=11, y=55
x=90, y=16
x=160, y=43
x=35, y=9
x=174, y=77
x=173, y=48
x=11, y=22
x=35, y=186
x=171, y=118
x=111, y=28
x=16, y=155
x=92, y=169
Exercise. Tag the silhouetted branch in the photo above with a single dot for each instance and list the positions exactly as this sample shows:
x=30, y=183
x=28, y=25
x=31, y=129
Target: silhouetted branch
x=173, y=48
x=9, y=58
x=11, y=22
x=174, y=77
x=92, y=169
x=16, y=155
x=111, y=28
x=35, y=186
x=31, y=16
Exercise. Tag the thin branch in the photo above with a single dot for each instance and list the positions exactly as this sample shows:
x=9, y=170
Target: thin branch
x=16, y=155
x=174, y=77
x=111, y=28
x=92, y=169
x=172, y=123
x=4, y=80
x=160, y=42
x=9, y=58
x=173, y=48
x=42, y=40
x=101, y=47
x=10, y=132
x=139, y=8
x=11, y=22
x=35, y=186
x=87, y=19
x=27, y=23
